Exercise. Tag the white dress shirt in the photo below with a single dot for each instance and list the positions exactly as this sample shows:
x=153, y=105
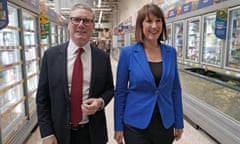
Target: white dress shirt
x=86, y=62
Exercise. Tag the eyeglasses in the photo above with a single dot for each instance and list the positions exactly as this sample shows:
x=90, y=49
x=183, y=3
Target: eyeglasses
x=77, y=21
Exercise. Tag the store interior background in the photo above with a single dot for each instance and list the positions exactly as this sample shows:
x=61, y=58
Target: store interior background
x=209, y=66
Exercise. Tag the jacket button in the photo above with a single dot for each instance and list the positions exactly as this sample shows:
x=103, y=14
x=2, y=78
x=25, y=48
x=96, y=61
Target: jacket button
x=157, y=92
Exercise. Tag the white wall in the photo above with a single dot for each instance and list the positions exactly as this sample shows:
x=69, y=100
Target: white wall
x=129, y=8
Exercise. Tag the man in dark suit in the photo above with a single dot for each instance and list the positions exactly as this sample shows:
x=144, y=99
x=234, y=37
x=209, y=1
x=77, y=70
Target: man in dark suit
x=54, y=95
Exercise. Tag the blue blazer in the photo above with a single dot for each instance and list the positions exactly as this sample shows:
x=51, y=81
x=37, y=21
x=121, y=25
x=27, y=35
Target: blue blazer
x=136, y=92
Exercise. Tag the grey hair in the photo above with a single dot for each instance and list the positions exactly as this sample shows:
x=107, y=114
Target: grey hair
x=82, y=6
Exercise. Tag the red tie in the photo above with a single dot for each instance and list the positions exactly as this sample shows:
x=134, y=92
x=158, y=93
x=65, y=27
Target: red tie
x=76, y=90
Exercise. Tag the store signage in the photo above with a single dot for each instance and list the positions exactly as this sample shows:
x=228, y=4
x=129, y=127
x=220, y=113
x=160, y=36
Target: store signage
x=44, y=26
x=172, y=13
x=204, y=3
x=186, y=8
x=3, y=14
x=221, y=24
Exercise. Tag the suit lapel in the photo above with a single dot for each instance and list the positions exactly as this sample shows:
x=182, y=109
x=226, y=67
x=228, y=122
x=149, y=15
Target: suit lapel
x=63, y=54
x=94, y=68
x=141, y=59
x=166, y=63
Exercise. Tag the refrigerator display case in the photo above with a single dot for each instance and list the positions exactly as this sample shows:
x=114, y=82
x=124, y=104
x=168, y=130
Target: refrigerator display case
x=31, y=57
x=178, y=38
x=45, y=44
x=210, y=68
x=212, y=46
x=192, y=39
x=54, y=38
x=233, y=45
x=12, y=110
x=120, y=40
x=60, y=34
x=65, y=34
x=169, y=32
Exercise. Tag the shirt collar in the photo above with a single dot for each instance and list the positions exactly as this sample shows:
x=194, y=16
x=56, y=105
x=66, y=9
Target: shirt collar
x=74, y=47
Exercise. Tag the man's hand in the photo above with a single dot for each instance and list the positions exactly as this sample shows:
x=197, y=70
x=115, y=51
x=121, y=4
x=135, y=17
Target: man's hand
x=90, y=106
x=49, y=140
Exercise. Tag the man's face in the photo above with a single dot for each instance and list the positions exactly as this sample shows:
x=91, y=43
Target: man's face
x=81, y=26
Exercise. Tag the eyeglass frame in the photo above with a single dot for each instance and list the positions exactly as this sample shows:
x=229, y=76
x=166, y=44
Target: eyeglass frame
x=85, y=21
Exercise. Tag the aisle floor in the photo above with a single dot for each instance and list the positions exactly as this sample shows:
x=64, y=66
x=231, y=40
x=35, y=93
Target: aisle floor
x=190, y=135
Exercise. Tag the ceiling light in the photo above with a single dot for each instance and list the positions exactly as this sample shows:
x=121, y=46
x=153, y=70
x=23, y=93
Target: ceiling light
x=100, y=17
x=102, y=9
x=99, y=3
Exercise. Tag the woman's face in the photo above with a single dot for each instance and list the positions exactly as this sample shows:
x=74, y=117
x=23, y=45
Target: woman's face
x=152, y=28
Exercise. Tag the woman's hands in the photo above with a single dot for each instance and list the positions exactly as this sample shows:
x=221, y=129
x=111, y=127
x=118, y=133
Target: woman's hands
x=119, y=137
x=178, y=134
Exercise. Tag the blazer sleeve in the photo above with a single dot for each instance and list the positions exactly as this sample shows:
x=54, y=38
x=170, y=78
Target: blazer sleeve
x=109, y=92
x=121, y=88
x=177, y=98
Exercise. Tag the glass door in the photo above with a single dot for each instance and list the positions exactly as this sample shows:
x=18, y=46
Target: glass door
x=193, y=39
x=212, y=46
x=31, y=57
x=54, y=39
x=233, y=45
x=169, y=32
x=60, y=34
x=178, y=38
x=44, y=44
x=12, y=110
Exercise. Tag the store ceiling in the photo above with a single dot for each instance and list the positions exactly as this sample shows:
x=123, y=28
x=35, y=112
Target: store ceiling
x=106, y=6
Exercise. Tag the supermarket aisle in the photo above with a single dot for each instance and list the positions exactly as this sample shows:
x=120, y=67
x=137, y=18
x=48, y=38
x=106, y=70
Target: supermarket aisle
x=190, y=136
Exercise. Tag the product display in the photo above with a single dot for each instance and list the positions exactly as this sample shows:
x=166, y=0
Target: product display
x=54, y=38
x=169, y=32
x=178, y=38
x=11, y=78
x=212, y=46
x=21, y=50
x=31, y=58
x=233, y=59
x=193, y=39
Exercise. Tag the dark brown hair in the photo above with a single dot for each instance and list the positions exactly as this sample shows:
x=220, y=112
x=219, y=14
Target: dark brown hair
x=142, y=14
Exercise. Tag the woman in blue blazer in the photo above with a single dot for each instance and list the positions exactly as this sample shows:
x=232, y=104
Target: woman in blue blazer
x=148, y=99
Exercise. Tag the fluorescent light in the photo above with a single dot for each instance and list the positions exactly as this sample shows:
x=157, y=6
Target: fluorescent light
x=100, y=17
x=66, y=9
x=102, y=9
x=99, y=3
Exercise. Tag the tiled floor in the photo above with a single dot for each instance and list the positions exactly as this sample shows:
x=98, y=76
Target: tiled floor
x=190, y=135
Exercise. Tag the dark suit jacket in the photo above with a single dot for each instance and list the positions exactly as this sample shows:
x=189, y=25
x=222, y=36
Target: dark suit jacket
x=53, y=104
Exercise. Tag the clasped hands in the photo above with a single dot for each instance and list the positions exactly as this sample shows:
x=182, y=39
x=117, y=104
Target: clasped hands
x=91, y=105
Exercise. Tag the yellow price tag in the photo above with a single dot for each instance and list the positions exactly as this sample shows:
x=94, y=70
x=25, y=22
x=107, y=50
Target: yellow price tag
x=43, y=19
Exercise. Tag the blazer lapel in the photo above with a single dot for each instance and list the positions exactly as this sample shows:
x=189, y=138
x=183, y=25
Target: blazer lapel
x=166, y=63
x=140, y=56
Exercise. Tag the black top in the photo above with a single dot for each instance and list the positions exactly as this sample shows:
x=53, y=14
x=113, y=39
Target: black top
x=156, y=68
